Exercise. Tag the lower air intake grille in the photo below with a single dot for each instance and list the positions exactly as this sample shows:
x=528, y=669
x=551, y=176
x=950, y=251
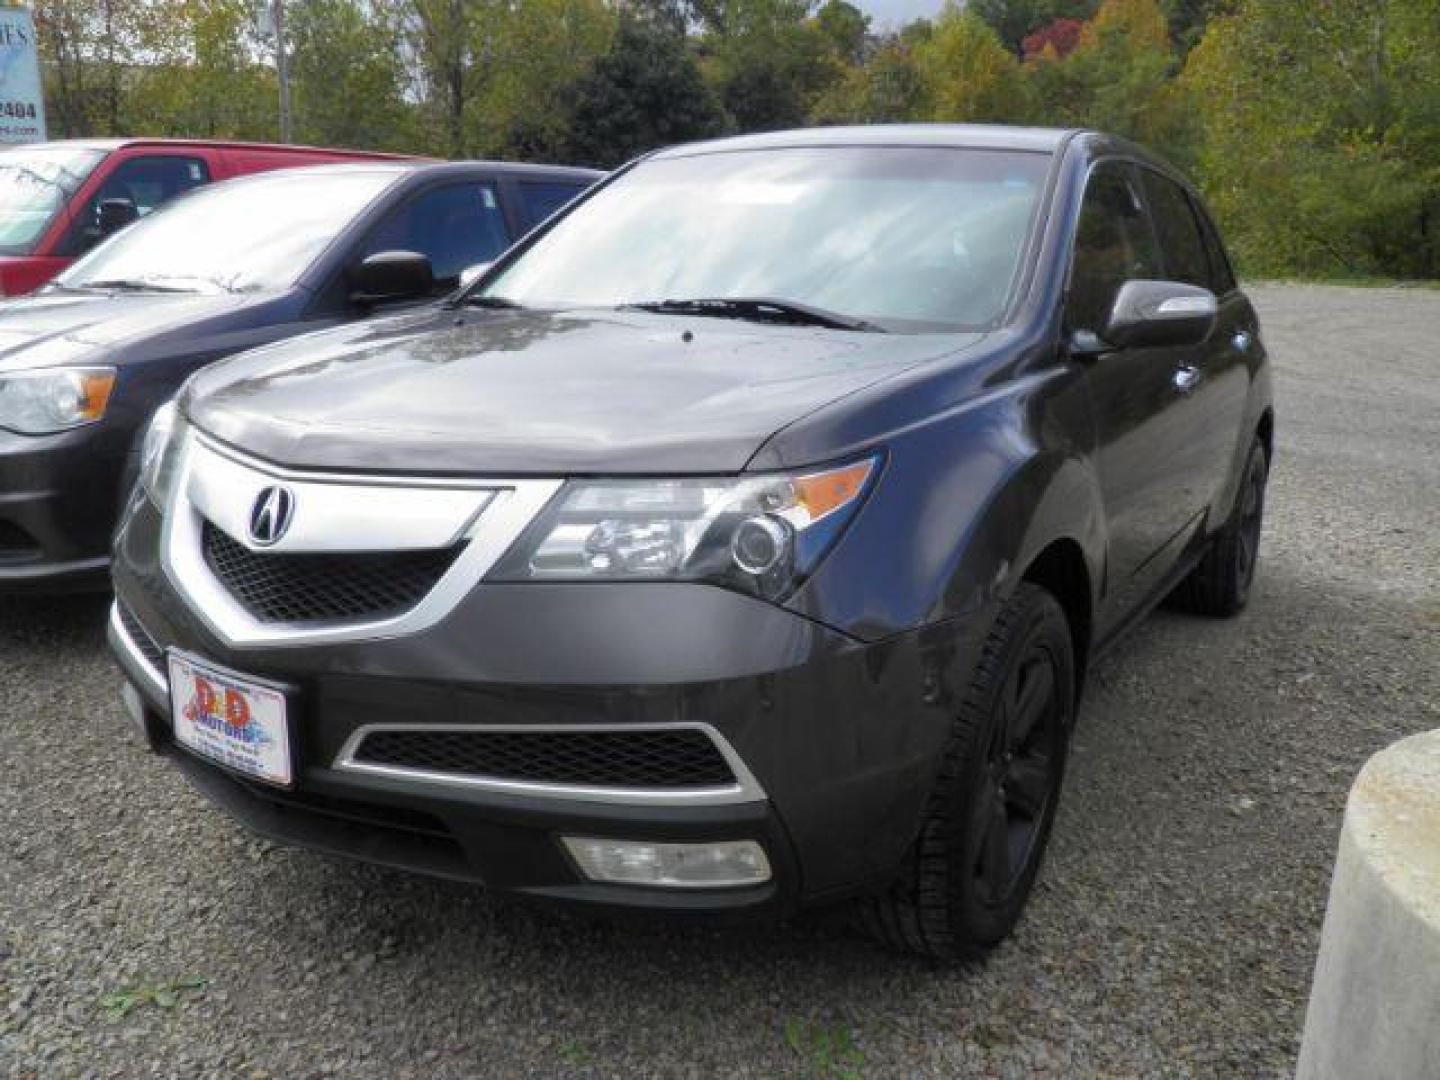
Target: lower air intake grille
x=325, y=587
x=672, y=758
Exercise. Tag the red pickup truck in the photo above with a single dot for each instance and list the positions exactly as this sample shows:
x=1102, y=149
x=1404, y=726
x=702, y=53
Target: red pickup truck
x=59, y=199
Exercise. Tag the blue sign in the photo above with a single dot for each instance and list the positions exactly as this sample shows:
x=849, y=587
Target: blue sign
x=22, y=99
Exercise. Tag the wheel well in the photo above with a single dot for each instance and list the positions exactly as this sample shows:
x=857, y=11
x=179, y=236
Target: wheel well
x=1266, y=431
x=1060, y=569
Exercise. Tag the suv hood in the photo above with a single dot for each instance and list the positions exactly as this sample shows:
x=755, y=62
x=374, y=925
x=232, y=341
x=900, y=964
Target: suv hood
x=73, y=327
x=552, y=393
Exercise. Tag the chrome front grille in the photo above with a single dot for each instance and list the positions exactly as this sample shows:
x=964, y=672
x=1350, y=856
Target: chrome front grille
x=316, y=587
x=362, y=556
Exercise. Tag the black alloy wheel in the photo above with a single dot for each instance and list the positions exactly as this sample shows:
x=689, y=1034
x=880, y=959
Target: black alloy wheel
x=1220, y=583
x=971, y=869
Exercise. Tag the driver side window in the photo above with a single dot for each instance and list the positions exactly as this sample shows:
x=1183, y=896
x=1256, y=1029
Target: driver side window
x=1113, y=244
x=455, y=227
x=146, y=182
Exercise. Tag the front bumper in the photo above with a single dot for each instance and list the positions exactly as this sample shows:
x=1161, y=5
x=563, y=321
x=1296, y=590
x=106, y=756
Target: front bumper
x=841, y=738
x=59, y=495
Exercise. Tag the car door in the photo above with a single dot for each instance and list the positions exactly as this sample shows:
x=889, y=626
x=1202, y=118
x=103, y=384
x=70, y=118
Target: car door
x=456, y=225
x=1212, y=377
x=1150, y=507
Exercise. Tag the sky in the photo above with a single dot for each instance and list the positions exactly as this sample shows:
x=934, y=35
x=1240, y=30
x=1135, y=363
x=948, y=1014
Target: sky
x=892, y=14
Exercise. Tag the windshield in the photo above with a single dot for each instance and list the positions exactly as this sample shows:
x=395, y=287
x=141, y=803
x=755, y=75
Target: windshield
x=250, y=235
x=35, y=182
x=896, y=237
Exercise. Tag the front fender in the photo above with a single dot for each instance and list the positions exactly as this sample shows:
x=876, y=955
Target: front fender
x=967, y=499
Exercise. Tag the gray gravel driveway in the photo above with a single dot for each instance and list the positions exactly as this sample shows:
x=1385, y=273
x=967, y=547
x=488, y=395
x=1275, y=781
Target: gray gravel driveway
x=1173, y=932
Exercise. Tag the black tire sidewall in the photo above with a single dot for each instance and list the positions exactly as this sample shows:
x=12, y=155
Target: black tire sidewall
x=1039, y=620
x=1242, y=581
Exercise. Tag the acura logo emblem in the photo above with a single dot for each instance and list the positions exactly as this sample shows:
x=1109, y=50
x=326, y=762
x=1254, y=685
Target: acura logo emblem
x=271, y=514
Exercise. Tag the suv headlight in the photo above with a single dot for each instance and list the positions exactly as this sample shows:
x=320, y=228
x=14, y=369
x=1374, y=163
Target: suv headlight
x=759, y=534
x=46, y=400
x=160, y=454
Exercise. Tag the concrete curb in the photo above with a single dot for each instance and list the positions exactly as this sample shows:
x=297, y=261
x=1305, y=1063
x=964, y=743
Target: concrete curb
x=1375, y=1002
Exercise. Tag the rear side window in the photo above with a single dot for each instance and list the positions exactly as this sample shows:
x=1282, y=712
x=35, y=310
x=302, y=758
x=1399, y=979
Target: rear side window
x=540, y=199
x=145, y=181
x=1180, y=240
x=456, y=227
x=1113, y=244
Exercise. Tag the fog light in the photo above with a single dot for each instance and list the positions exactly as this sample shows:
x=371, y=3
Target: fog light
x=677, y=866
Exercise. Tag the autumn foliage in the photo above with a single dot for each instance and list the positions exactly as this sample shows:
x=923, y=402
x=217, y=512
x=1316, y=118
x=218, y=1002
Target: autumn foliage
x=1313, y=127
x=1054, y=41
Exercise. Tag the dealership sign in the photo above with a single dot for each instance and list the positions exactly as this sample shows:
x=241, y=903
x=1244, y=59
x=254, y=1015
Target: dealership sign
x=22, y=101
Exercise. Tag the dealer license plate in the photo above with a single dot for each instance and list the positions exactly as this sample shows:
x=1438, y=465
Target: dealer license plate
x=232, y=720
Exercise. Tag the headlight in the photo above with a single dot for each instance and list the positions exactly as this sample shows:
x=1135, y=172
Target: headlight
x=47, y=400
x=160, y=453
x=760, y=534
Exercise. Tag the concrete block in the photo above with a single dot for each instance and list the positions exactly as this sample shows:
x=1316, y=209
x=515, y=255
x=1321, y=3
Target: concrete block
x=1375, y=1003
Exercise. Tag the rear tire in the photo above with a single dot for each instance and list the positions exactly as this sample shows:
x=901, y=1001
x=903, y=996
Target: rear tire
x=1220, y=584
x=967, y=877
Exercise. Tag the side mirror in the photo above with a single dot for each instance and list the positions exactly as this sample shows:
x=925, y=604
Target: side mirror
x=112, y=215
x=1147, y=314
x=392, y=275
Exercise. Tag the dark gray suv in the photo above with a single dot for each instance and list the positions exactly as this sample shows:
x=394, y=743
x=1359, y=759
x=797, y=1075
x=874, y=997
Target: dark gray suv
x=739, y=541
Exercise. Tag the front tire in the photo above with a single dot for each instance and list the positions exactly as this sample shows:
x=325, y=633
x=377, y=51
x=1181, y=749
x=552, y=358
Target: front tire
x=970, y=872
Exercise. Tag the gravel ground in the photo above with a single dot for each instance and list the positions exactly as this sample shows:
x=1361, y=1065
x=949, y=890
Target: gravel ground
x=1173, y=932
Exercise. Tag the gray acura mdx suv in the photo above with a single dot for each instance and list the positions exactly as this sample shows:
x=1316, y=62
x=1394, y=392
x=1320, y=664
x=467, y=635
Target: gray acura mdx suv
x=739, y=541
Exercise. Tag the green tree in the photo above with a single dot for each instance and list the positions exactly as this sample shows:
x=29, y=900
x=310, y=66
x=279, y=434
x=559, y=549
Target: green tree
x=347, y=77
x=541, y=47
x=966, y=74
x=88, y=48
x=1321, y=134
x=203, y=76
x=441, y=36
x=766, y=61
x=1120, y=79
x=844, y=28
x=887, y=88
x=645, y=92
x=1188, y=19
x=1014, y=20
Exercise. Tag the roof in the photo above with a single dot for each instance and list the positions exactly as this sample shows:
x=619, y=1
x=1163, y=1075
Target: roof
x=970, y=136
x=218, y=144
x=438, y=168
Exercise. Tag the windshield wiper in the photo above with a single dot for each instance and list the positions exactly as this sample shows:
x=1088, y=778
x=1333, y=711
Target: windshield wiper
x=759, y=308
x=131, y=285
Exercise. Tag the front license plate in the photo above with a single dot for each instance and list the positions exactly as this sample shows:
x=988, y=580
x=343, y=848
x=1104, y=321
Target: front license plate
x=232, y=720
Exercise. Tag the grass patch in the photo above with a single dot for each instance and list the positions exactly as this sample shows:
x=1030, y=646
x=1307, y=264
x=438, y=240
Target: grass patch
x=160, y=995
x=828, y=1052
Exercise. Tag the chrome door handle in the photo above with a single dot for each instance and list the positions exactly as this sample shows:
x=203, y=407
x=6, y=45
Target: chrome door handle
x=1186, y=379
